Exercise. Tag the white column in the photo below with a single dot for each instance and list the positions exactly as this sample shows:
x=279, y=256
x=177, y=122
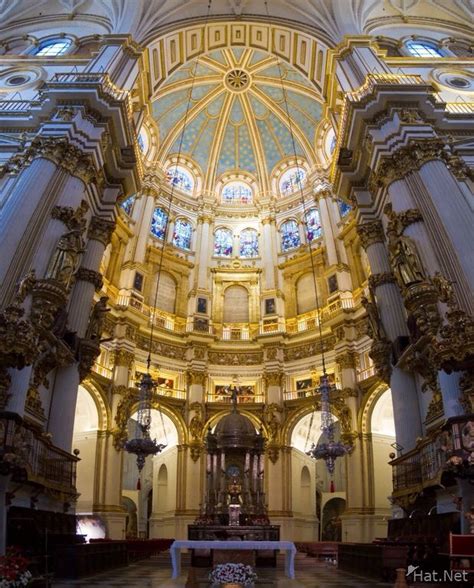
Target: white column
x=143, y=227
x=269, y=259
x=328, y=236
x=204, y=224
x=66, y=382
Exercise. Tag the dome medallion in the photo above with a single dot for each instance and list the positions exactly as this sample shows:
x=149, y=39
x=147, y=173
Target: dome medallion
x=237, y=80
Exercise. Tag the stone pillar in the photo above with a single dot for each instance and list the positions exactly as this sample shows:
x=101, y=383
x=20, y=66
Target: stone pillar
x=110, y=493
x=63, y=401
x=143, y=234
x=390, y=306
x=205, y=249
x=269, y=259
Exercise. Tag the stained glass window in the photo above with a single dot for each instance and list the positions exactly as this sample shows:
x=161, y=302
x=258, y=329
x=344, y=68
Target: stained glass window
x=290, y=236
x=180, y=178
x=419, y=49
x=293, y=179
x=53, y=48
x=127, y=205
x=313, y=224
x=158, y=223
x=248, y=243
x=182, y=234
x=237, y=192
x=223, y=243
x=344, y=208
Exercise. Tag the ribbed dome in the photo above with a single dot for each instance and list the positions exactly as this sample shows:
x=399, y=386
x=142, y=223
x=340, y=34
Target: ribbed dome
x=235, y=430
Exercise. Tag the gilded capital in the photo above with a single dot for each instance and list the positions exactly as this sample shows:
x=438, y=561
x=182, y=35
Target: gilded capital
x=123, y=357
x=376, y=280
x=87, y=275
x=101, y=229
x=370, y=233
x=205, y=218
x=346, y=360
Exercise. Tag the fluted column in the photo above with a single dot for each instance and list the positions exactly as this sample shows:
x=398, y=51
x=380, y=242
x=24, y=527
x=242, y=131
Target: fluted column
x=63, y=401
x=390, y=306
x=143, y=234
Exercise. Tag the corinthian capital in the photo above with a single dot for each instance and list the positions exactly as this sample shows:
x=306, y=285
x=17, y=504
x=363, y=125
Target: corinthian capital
x=370, y=233
x=101, y=229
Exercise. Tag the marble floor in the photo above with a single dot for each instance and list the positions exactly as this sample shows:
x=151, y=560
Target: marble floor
x=155, y=572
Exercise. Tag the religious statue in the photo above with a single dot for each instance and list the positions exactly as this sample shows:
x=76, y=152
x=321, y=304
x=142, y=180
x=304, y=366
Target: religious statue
x=404, y=258
x=65, y=259
x=271, y=420
x=444, y=288
x=97, y=318
x=234, y=490
x=375, y=328
x=196, y=424
x=25, y=286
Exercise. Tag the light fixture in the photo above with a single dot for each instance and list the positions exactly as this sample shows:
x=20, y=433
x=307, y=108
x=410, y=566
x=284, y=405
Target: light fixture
x=330, y=449
x=142, y=445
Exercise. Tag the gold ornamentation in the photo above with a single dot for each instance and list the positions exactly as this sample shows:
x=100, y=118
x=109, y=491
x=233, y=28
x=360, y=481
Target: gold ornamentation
x=25, y=286
x=466, y=385
x=49, y=299
x=271, y=353
x=65, y=260
x=101, y=229
x=18, y=339
x=196, y=428
x=272, y=378
x=87, y=275
x=229, y=358
x=124, y=411
x=346, y=360
x=375, y=328
x=309, y=350
x=195, y=377
x=88, y=352
x=124, y=357
x=370, y=233
x=164, y=349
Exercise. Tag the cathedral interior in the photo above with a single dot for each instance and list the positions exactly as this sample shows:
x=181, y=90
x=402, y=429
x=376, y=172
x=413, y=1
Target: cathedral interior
x=236, y=240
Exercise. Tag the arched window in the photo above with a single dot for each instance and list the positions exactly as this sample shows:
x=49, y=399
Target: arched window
x=313, y=225
x=182, y=234
x=248, y=246
x=142, y=139
x=237, y=193
x=127, y=205
x=292, y=180
x=158, y=223
x=290, y=236
x=223, y=243
x=344, y=208
x=423, y=49
x=53, y=48
x=180, y=178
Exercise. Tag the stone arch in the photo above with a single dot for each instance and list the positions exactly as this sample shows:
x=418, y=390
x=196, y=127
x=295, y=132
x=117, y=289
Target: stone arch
x=293, y=419
x=258, y=424
x=368, y=404
x=102, y=405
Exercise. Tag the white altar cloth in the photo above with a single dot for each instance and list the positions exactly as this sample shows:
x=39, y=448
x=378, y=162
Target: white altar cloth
x=287, y=546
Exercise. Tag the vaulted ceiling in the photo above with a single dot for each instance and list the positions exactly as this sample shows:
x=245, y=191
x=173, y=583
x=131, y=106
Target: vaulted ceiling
x=233, y=105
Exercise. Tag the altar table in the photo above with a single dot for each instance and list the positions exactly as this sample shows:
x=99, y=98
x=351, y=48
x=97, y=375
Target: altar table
x=287, y=546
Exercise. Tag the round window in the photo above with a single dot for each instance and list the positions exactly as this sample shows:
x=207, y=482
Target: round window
x=17, y=80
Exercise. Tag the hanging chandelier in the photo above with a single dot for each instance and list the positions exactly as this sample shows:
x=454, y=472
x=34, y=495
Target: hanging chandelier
x=330, y=449
x=142, y=445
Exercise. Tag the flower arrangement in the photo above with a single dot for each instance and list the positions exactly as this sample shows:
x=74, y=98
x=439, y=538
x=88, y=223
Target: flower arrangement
x=13, y=570
x=232, y=573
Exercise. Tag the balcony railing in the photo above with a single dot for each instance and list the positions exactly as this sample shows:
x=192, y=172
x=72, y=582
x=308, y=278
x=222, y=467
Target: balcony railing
x=171, y=392
x=18, y=106
x=241, y=398
x=420, y=466
x=23, y=449
x=365, y=373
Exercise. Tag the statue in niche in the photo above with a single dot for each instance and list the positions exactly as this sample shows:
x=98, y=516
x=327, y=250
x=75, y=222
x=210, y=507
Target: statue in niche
x=65, y=259
x=404, y=258
x=197, y=423
x=97, y=319
x=235, y=490
x=375, y=329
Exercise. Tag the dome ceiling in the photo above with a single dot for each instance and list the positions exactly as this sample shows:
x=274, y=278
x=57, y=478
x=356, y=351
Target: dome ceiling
x=237, y=118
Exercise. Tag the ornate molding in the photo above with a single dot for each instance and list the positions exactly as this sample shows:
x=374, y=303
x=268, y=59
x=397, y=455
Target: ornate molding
x=381, y=354
x=101, y=229
x=229, y=358
x=194, y=377
x=411, y=158
x=87, y=275
x=272, y=378
x=164, y=349
x=124, y=357
x=376, y=280
x=346, y=360
x=309, y=350
x=62, y=153
x=370, y=233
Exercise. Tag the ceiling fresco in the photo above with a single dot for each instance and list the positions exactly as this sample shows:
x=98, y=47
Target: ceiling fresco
x=236, y=118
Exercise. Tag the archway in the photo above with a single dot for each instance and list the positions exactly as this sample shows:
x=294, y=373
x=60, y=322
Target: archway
x=331, y=529
x=86, y=426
